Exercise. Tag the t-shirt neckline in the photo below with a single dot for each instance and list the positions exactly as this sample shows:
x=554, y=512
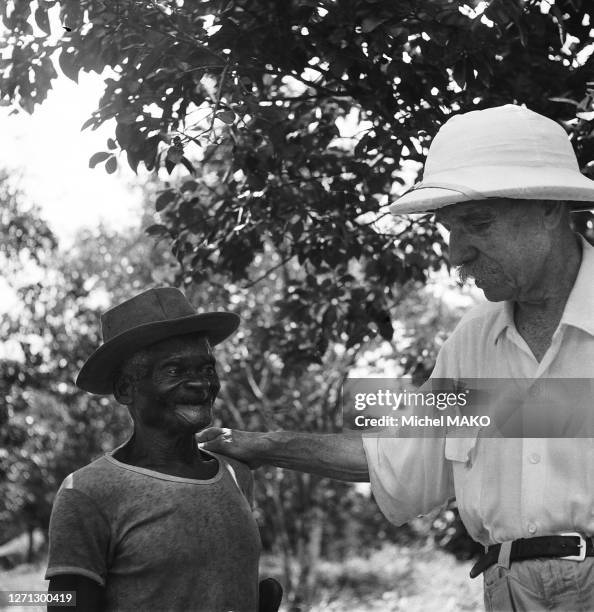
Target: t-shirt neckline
x=160, y=475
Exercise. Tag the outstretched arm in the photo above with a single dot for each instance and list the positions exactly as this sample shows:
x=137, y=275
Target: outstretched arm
x=339, y=456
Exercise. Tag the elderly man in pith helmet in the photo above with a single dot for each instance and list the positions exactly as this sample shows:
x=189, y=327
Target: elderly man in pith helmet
x=503, y=181
x=158, y=524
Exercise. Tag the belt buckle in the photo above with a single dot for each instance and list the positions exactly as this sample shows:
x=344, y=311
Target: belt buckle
x=582, y=546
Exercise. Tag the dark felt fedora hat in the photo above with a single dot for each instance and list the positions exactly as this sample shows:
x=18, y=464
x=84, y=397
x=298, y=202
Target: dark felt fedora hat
x=151, y=316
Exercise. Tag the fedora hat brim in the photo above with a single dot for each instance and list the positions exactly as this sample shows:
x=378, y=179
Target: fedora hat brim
x=523, y=183
x=96, y=375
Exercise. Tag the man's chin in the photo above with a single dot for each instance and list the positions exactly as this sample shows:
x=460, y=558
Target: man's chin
x=497, y=294
x=193, y=417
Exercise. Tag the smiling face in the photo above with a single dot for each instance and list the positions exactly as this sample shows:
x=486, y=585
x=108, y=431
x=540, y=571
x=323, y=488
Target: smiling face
x=503, y=244
x=177, y=387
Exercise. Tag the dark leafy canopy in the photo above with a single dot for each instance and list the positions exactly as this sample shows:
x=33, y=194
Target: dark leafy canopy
x=261, y=87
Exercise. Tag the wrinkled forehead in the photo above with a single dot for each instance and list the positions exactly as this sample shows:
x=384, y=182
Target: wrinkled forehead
x=490, y=208
x=191, y=345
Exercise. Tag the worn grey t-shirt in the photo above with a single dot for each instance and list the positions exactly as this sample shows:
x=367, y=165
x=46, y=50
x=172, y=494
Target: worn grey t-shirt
x=159, y=542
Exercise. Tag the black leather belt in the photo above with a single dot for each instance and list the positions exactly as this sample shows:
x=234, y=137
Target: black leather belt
x=571, y=546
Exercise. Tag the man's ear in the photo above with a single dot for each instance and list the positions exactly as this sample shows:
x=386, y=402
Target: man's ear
x=123, y=389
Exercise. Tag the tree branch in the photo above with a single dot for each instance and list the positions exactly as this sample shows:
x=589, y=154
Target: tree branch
x=268, y=272
x=219, y=93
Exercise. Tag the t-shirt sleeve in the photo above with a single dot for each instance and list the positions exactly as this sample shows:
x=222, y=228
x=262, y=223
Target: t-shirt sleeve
x=78, y=536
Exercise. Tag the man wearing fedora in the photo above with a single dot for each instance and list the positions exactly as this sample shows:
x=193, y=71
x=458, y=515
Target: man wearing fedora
x=503, y=181
x=158, y=524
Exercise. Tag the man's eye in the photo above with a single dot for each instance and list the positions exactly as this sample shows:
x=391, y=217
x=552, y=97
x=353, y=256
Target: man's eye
x=210, y=370
x=173, y=371
x=480, y=225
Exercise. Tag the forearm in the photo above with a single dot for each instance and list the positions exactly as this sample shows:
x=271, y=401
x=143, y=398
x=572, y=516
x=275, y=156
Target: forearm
x=338, y=456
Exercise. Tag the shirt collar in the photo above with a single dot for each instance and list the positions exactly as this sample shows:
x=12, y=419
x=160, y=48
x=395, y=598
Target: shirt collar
x=579, y=309
x=503, y=320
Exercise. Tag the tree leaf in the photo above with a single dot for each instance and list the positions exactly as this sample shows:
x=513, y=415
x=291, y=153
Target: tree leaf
x=123, y=135
x=459, y=73
x=587, y=115
x=186, y=162
x=91, y=121
x=565, y=100
x=371, y=23
x=111, y=165
x=226, y=116
x=163, y=199
x=174, y=154
x=111, y=144
x=149, y=151
x=157, y=230
x=190, y=185
x=97, y=158
x=133, y=160
x=68, y=65
x=42, y=20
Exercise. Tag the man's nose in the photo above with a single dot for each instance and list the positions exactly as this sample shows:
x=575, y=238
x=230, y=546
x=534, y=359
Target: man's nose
x=460, y=249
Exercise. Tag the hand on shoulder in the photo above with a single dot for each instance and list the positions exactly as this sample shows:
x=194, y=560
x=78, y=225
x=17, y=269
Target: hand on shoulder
x=234, y=443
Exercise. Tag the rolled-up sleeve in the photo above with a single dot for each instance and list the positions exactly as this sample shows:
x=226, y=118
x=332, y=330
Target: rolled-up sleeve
x=409, y=476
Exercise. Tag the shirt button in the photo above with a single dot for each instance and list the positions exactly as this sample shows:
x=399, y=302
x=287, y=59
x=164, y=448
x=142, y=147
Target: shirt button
x=534, y=458
x=531, y=528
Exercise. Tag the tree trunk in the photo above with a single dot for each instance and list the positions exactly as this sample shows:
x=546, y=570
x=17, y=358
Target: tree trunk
x=273, y=491
x=309, y=551
x=31, y=545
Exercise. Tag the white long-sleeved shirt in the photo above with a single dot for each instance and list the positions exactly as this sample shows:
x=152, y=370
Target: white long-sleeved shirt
x=513, y=487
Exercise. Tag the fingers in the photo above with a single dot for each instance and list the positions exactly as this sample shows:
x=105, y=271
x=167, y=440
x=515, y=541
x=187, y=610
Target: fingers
x=211, y=433
x=230, y=442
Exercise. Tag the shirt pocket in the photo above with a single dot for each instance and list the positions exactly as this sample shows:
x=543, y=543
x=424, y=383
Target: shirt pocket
x=461, y=448
x=462, y=452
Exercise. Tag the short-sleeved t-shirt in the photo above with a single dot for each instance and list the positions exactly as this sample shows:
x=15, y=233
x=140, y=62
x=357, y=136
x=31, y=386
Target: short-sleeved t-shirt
x=159, y=542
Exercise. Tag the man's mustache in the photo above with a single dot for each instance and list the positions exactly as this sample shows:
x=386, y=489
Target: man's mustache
x=463, y=273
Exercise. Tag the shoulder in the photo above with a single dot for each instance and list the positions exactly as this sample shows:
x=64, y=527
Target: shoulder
x=91, y=479
x=81, y=499
x=472, y=340
x=481, y=314
x=477, y=323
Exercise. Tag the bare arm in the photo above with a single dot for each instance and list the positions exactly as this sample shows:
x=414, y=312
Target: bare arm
x=340, y=456
x=89, y=594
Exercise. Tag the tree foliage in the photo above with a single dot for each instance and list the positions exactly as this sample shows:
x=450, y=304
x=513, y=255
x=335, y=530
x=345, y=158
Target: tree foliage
x=297, y=119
